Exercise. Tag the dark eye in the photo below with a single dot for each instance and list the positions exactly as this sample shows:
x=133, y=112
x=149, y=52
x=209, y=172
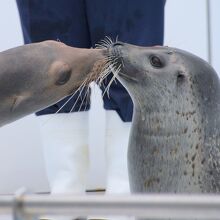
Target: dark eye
x=63, y=75
x=156, y=62
x=63, y=78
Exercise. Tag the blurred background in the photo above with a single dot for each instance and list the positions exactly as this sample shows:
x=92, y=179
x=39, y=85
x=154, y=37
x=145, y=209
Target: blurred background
x=192, y=25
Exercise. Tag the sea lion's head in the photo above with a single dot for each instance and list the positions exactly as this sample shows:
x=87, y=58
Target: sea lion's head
x=37, y=75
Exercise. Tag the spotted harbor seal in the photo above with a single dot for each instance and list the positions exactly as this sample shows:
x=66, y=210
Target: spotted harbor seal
x=174, y=141
x=37, y=75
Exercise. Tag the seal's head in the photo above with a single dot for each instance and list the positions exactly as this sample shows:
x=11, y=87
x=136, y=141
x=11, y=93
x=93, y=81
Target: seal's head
x=163, y=73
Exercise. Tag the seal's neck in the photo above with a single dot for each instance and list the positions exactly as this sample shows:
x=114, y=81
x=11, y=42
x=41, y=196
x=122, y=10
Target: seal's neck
x=167, y=122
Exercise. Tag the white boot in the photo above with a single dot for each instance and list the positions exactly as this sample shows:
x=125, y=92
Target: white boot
x=117, y=135
x=65, y=144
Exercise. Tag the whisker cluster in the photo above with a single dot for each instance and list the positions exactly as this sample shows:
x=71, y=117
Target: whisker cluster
x=109, y=66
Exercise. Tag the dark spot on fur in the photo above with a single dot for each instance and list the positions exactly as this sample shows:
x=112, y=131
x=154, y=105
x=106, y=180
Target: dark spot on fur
x=185, y=130
x=155, y=151
x=173, y=151
x=203, y=161
x=151, y=182
x=214, y=165
x=193, y=157
x=193, y=167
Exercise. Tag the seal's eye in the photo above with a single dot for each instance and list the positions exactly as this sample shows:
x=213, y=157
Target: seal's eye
x=156, y=62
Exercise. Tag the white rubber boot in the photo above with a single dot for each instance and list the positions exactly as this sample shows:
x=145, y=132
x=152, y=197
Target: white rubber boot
x=117, y=135
x=65, y=144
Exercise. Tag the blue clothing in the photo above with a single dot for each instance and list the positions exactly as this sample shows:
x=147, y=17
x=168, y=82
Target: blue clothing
x=83, y=23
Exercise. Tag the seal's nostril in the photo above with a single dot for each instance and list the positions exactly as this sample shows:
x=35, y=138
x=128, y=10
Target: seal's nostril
x=117, y=44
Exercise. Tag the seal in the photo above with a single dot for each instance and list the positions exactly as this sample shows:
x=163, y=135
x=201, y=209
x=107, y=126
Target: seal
x=37, y=75
x=174, y=144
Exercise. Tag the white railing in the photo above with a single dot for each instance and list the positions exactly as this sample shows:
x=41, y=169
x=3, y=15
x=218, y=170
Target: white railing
x=153, y=206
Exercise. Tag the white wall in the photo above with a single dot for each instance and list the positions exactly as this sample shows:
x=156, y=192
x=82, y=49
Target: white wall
x=21, y=158
x=215, y=17
x=185, y=26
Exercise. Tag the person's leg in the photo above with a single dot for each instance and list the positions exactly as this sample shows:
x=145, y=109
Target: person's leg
x=138, y=22
x=64, y=136
x=65, y=142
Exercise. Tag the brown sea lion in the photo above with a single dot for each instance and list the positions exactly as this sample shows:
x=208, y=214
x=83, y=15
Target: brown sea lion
x=37, y=75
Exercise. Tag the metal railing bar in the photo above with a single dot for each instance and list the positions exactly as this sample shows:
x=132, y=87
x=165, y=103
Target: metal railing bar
x=150, y=206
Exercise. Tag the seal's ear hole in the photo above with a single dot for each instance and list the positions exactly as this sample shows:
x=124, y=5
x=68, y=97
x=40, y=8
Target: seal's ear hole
x=63, y=75
x=156, y=61
x=180, y=76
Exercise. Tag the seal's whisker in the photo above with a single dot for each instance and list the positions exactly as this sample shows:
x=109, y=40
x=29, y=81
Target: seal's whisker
x=69, y=99
x=116, y=39
x=100, y=46
x=85, y=84
x=104, y=43
x=87, y=100
x=84, y=97
x=103, y=75
x=115, y=73
x=65, y=103
x=104, y=72
x=109, y=39
x=107, y=72
x=79, y=96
